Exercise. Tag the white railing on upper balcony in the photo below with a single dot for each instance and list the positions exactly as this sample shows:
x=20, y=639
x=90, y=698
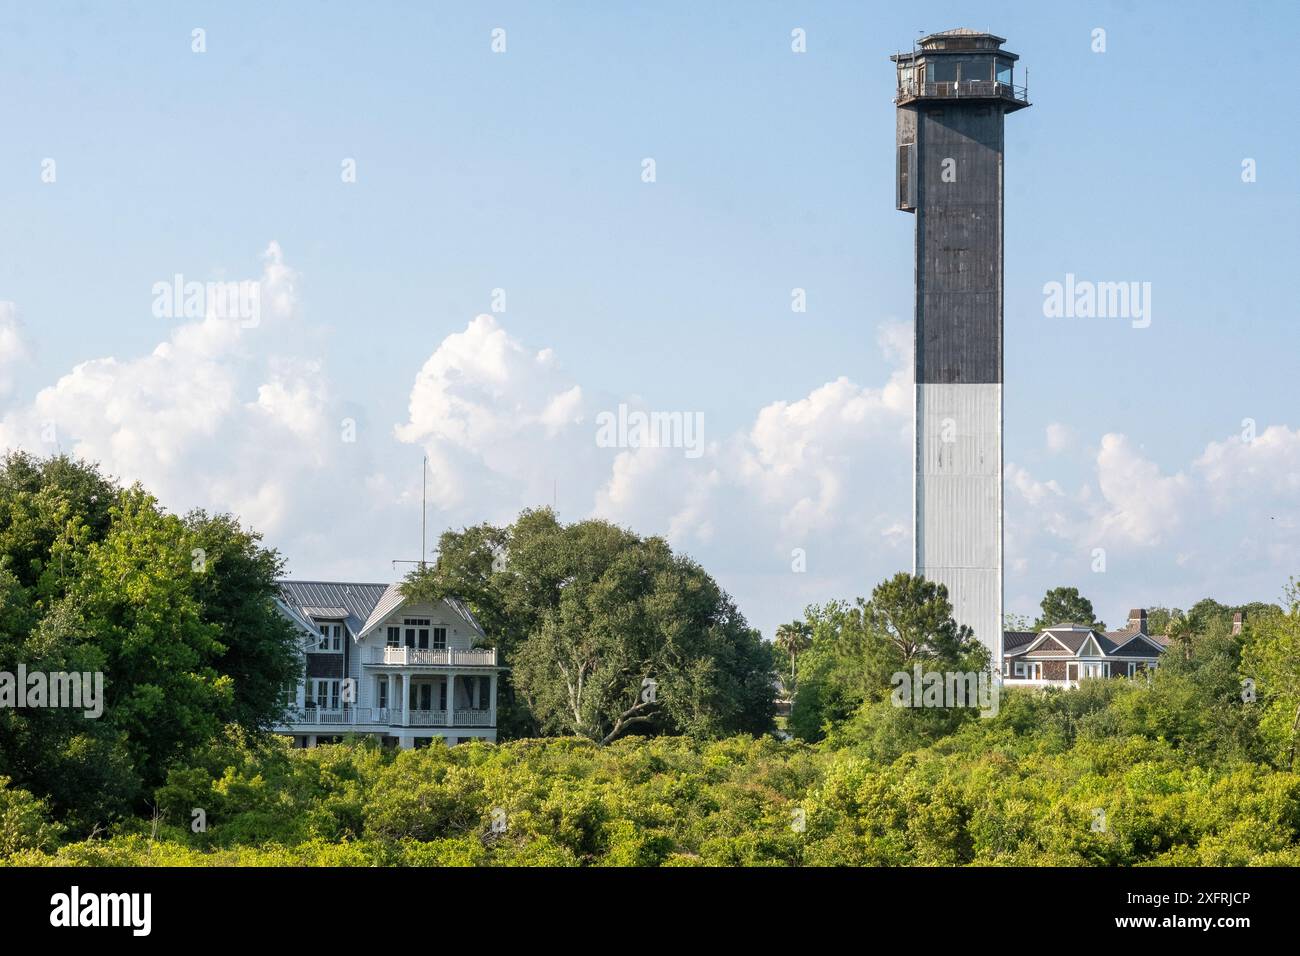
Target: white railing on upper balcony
x=445, y=657
x=387, y=717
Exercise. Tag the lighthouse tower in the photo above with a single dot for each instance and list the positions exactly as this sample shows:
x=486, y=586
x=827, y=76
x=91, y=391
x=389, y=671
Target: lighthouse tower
x=953, y=91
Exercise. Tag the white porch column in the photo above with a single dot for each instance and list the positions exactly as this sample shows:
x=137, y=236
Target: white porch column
x=492, y=698
x=406, y=699
x=451, y=701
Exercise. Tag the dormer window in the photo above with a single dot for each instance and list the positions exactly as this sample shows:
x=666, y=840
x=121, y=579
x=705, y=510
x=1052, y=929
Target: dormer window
x=331, y=637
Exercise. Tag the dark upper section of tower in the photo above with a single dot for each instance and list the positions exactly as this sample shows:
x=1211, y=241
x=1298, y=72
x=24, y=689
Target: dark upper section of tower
x=960, y=65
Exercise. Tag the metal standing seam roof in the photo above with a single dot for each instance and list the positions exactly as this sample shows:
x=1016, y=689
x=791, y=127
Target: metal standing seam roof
x=361, y=606
x=355, y=600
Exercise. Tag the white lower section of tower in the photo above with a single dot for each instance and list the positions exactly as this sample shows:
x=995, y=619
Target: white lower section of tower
x=958, y=502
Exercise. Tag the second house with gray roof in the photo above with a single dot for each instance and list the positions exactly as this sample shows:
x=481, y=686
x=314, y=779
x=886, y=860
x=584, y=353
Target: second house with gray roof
x=1063, y=655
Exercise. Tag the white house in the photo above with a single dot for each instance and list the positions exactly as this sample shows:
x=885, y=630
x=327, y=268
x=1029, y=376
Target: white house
x=374, y=663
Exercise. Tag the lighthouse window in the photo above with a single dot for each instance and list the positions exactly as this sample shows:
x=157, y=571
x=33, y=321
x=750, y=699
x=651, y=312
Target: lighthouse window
x=943, y=70
x=1004, y=72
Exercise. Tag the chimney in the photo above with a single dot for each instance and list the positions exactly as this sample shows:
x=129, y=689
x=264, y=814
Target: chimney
x=1137, y=620
x=1238, y=620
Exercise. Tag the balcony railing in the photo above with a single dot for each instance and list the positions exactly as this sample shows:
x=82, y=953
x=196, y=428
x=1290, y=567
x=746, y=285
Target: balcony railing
x=968, y=89
x=386, y=717
x=420, y=657
x=473, y=718
x=328, y=716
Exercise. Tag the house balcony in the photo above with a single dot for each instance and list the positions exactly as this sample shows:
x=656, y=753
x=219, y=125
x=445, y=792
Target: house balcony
x=421, y=657
x=381, y=718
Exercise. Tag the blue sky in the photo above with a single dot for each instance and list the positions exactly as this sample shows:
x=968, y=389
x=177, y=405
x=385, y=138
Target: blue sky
x=522, y=171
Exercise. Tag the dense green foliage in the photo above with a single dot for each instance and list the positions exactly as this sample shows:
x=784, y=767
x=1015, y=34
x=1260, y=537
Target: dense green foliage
x=1024, y=787
x=176, y=613
x=846, y=671
x=606, y=632
x=1066, y=606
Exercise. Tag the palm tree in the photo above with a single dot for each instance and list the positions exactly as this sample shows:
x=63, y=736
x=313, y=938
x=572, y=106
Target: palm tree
x=793, y=638
x=1181, y=634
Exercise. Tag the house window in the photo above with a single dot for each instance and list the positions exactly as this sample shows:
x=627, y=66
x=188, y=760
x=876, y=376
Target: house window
x=331, y=638
x=325, y=694
x=440, y=638
x=383, y=692
x=394, y=637
x=1020, y=668
x=417, y=632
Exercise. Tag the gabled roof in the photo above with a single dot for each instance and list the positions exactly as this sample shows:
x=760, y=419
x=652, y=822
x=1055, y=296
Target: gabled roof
x=389, y=602
x=360, y=606
x=1072, y=640
x=1069, y=636
x=1134, y=644
x=393, y=598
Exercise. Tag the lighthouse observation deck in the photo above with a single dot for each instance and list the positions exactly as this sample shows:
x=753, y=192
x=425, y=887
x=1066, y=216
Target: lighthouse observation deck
x=960, y=65
x=1013, y=97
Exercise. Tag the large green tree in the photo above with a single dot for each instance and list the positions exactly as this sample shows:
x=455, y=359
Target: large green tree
x=177, y=615
x=857, y=648
x=606, y=633
x=1066, y=606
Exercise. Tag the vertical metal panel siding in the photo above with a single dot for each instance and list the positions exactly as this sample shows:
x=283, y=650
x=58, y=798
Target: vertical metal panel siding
x=958, y=498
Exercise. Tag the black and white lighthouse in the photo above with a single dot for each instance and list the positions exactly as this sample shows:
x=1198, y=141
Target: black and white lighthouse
x=953, y=91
